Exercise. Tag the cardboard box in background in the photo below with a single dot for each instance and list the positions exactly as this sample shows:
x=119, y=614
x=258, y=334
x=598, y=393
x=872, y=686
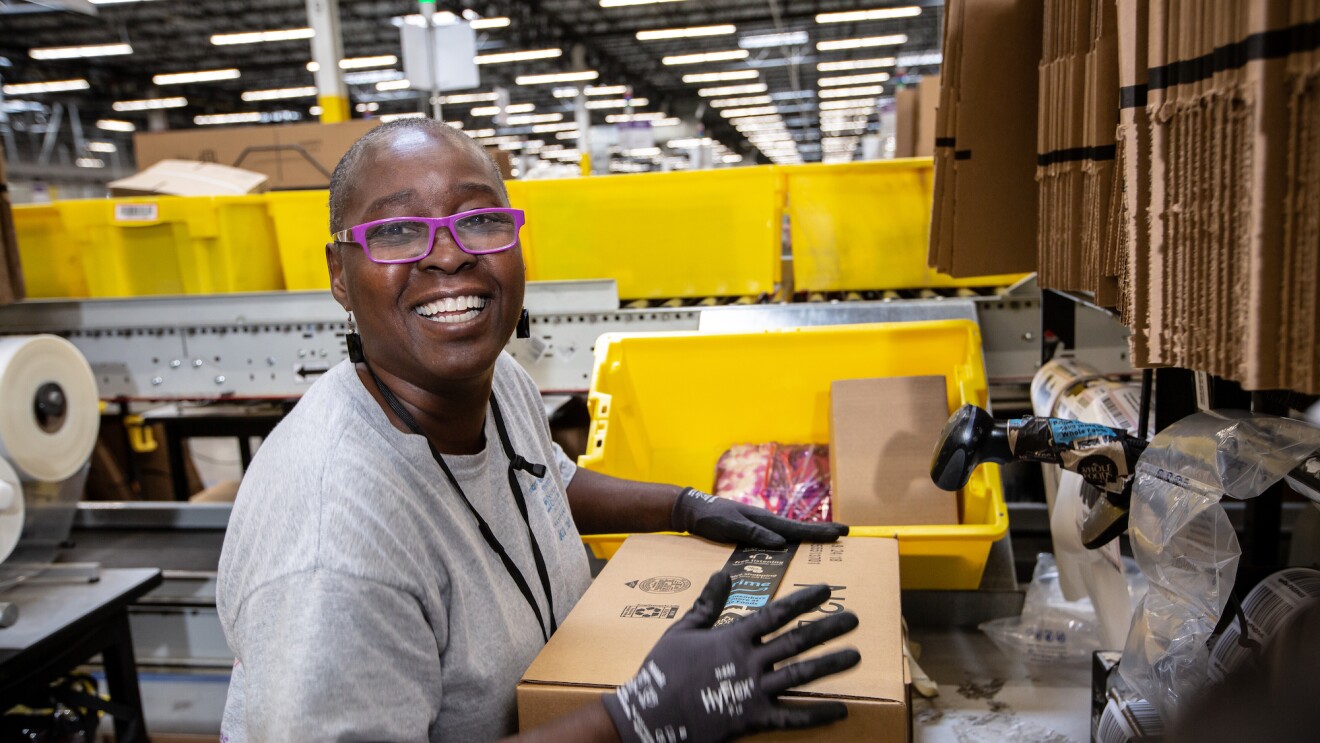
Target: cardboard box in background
x=602, y=643
x=905, y=122
x=188, y=178
x=293, y=156
x=11, y=270
x=881, y=434
x=914, y=118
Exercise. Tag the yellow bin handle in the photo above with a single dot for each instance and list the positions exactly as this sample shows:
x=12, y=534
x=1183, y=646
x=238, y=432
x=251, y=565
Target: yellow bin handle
x=140, y=436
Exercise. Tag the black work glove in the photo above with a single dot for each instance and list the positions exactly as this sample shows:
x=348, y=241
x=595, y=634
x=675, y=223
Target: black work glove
x=705, y=684
x=724, y=520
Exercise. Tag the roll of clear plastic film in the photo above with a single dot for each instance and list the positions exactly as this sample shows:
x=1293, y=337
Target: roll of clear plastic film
x=48, y=407
x=12, y=510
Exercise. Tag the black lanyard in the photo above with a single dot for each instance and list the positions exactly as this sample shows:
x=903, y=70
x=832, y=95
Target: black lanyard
x=516, y=463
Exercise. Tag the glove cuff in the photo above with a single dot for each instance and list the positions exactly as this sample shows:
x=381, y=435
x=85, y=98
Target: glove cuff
x=682, y=518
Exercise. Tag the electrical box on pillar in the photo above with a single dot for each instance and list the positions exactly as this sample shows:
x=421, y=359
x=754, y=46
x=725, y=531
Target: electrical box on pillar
x=443, y=60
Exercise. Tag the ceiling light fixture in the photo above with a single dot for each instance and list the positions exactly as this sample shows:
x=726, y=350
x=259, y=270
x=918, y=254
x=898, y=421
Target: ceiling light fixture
x=534, y=119
x=89, y=162
x=625, y=3
x=251, y=117
x=845, y=92
x=52, y=86
x=76, y=52
x=718, y=92
x=115, y=125
x=686, y=33
x=566, y=126
x=401, y=84
x=850, y=103
x=275, y=94
x=202, y=76
x=387, y=118
x=702, y=57
x=862, y=43
x=501, y=57
x=358, y=63
x=259, y=37
x=471, y=97
x=755, y=100
x=371, y=77
x=652, y=116
x=618, y=103
x=557, y=77
x=875, y=77
x=735, y=113
x=591, y=90
x=879, y=14
x=720, y=77
x=102, y=147
x=150, y=104
x=856, y=64
x=788, y=38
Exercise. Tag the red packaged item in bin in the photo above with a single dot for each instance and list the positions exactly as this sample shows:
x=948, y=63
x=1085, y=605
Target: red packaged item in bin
x=789, y=480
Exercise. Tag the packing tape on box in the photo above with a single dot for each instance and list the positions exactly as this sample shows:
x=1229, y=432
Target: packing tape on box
x=49, y=415
x=12, y=509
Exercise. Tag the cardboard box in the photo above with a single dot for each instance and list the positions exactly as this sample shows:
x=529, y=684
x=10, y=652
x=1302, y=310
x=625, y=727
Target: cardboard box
x=604, y=640
x=914, y=118
x=292, y=156
x=189, y=178
x=881, y=433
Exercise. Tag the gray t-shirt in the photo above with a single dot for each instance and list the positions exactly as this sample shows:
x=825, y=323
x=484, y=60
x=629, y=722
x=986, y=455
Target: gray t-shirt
x=356, y=591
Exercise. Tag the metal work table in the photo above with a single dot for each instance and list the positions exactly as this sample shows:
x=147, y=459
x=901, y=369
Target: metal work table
x=61, y=626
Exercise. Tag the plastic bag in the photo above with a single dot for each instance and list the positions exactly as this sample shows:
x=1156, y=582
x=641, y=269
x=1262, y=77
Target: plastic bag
x=1185, y=545
x=792, y=481
x=1051, y=628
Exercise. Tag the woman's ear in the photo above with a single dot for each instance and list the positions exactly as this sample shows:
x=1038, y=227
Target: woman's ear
x=335, y=264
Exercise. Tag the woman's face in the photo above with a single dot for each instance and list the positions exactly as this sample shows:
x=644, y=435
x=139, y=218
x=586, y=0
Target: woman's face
x=414, y=174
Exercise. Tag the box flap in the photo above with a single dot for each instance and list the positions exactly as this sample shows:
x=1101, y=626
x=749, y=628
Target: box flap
x=191, y=178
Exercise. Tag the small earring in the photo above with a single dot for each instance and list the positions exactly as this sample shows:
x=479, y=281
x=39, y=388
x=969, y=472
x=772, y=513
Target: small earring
x=354, y=342
x=524, y=326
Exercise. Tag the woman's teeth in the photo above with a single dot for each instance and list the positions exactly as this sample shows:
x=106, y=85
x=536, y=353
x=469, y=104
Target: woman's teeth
x=452, y=309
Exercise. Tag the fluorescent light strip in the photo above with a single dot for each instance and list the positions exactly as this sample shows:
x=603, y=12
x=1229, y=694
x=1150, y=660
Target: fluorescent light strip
x=756, y=100
x=150, y=104
x=387, y=118
x=652, y=116
x=720, y=77
x=115, y=125
x=515, y=108
x=276, y=94
x=214, y=119
x=566, y=126
x=534, y=119
x=566, y=135
x=260, y=37
x=89, y=162
x=875, y=77
x=618, y=103
x=357, y=63
x=401, y=84
x=502, y=57
x=685, y=33
x=76, y=52
x=862, y=43
x=482, y=24
x=203, y=76
x=591, y=90
x=856, y=64
x=731, y=90
x=728, y=56
x=845, y=92
x=102, y=147
x=471, y=97
x=683, y=144
x=789, y=38
x=558, y=77
x=626, y=3
x=879, y=14
x=850, y=103
x=477, y=133
x=734, y=113
x=52, y=86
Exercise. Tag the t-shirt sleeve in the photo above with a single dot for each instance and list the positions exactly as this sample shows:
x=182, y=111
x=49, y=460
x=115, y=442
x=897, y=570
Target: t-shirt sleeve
x=567, y=467
x=333, y=657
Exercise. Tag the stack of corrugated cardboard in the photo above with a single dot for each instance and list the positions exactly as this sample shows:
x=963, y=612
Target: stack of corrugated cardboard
x=1224, y=262
x=1075, y=147
x=984, y=218
x=914, y=118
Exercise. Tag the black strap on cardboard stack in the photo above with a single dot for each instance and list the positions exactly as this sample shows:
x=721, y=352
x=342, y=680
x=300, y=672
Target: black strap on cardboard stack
x=516, y=463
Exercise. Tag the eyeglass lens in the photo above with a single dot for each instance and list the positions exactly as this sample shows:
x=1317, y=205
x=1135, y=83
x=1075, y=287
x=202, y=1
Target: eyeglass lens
x=478, y=233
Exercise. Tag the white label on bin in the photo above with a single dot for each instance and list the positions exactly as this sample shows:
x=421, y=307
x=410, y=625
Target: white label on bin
x=135, y=213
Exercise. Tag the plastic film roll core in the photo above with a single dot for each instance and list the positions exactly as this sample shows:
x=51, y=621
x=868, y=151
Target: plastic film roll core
x=48, y=406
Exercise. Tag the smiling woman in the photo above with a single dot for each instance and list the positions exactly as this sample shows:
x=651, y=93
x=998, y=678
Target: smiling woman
x=388, y=574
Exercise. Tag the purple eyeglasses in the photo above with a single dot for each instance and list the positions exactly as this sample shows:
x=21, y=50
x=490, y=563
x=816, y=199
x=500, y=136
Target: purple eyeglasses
x=410, y=239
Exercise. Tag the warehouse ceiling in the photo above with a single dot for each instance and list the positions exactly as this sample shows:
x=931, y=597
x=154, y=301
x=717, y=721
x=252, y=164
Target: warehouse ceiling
x=776, y=40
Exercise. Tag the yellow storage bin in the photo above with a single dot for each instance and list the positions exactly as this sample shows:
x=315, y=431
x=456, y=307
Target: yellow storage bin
x=697, y=234
x=152, y=245
x=51, y=251
x=866, y=225
x=665, y=406
x=302, y=228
